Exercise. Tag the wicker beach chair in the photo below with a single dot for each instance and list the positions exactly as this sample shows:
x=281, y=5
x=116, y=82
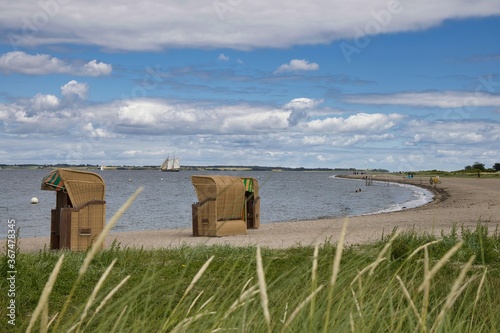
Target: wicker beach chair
x=80, y=211
x=219, y=211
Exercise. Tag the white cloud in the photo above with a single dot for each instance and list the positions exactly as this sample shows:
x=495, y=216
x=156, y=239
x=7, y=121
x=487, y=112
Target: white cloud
x=297, y=65
x=242, y=133
x=358, y=139
x=97, y=132
x=41, y=64
x=157, y=116
x=94, y=68
x=389, y=159
x=140, y=113
x=452, y=132
x=257, y=120
x=361, y=122
x=44, y=102
x=446, y=99
x=302, y=103
x=20, y=62
x=74, y=88
x=299, y=108
x=244, y=25
x=315, y=140
x=223, y=57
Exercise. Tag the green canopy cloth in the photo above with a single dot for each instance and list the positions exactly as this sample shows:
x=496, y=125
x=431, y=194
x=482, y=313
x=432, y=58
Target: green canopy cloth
x=53, y=182
x=248, y=183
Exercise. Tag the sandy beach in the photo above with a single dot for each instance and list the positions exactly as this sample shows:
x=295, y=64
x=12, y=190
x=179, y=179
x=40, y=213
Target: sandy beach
x=459, y=201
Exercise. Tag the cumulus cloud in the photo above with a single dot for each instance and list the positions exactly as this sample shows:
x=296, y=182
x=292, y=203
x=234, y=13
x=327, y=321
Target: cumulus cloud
x=258, y=120
x=244, y=25
x=440, y=99
x=94, y=68
x=74, y=89
x=44, y=102
x=46, y=112
x=361, y=122
x=204, y=131
x=41, y=64
x=302, y=103
x=452, y=132
x=20, y=62
x=297, y=65
x=297, y=116
x=156, y=116
x=93, y=132
x=299, y=107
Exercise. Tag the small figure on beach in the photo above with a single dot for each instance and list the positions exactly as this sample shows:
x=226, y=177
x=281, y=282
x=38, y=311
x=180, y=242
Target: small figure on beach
x=434, y=180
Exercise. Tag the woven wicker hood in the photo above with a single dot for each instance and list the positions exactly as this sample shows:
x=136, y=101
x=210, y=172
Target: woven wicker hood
x=227, y=191
x=81, y=186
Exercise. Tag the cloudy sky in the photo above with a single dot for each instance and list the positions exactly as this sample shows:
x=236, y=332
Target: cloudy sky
x=395, y=84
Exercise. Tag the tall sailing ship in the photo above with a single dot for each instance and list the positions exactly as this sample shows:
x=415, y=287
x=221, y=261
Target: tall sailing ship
x=171, y=165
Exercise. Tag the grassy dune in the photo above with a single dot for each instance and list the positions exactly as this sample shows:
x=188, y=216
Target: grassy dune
x=403, y=283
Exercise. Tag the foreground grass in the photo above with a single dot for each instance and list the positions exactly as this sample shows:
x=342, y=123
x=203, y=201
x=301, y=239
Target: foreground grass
x=404, y=283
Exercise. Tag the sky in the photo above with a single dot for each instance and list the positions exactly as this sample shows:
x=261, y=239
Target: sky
x=402, y=85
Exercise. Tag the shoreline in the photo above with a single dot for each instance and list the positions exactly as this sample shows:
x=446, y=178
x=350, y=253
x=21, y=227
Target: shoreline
x=457, y=201
x=420, y=188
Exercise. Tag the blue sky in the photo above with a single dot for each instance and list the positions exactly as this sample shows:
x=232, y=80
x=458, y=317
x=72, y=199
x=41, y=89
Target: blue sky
x=402, y=85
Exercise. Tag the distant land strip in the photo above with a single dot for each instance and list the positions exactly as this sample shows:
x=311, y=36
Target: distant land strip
x=157, y=167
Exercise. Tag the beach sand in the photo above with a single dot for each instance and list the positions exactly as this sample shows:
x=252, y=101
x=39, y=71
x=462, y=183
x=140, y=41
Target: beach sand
x=457, y=201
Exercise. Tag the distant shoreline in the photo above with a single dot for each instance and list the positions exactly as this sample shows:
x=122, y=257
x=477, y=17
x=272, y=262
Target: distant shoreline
x=439, y=193
x=182, y=168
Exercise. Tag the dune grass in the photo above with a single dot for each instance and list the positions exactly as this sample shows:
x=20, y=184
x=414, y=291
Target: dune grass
x=406, y=282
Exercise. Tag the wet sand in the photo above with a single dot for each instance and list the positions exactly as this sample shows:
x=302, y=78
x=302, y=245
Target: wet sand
x=457, y=201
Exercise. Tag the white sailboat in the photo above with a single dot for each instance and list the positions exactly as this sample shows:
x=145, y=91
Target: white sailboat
x=171, y=165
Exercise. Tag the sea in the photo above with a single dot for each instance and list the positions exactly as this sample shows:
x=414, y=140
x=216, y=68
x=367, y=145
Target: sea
x=165, y=203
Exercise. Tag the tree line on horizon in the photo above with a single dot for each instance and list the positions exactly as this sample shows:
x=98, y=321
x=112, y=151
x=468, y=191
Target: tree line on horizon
x=478, y=166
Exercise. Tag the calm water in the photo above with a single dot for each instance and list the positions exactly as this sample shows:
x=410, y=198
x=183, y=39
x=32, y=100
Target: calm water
x=166, y=200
